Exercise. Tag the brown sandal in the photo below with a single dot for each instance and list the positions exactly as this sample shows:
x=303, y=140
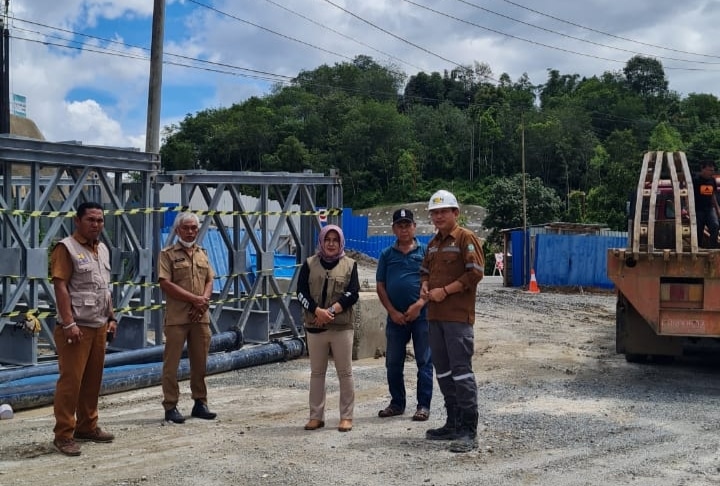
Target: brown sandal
x=421, y=415
x=389, y=411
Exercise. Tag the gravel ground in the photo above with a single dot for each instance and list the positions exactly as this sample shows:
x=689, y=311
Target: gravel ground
x=558, y=407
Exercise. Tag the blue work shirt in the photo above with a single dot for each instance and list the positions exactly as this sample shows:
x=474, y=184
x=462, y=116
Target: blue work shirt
x=401, y=275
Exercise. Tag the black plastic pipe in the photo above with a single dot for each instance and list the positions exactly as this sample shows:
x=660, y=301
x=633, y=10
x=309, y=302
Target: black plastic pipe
x=38, y=391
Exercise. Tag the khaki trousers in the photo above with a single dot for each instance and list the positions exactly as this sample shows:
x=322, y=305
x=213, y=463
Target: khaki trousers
x=319, y=347
x=80, y=367
x=198, y=337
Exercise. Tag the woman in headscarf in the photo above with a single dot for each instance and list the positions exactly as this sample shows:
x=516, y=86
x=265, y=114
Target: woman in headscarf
x=327, y=289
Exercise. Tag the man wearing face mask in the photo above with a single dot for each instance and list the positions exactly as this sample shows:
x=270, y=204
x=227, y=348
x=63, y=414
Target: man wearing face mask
x=186, y=278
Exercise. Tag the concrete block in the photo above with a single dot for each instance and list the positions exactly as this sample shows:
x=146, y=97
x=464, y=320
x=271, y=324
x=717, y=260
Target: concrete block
x=370, y=318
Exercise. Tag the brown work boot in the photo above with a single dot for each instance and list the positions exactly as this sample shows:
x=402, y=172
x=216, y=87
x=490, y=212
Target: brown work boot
x=314, y=424
x=67, y=446
x=97, y=435
x=345, y=425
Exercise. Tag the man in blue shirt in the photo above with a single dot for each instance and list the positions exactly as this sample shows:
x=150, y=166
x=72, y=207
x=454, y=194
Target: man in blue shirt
x=398, y=286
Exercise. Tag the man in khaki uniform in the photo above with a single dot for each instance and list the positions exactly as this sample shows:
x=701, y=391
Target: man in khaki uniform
x=186, y=278
x=80, y=269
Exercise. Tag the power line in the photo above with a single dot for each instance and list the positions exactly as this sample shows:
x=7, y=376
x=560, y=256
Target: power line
x=254, y=72
x=341, y=34
x=569, y=51
x=200, y=4
x=171, y=63
x=577, y=38
x=609, y=34
x=320, y=48
x=402, y=39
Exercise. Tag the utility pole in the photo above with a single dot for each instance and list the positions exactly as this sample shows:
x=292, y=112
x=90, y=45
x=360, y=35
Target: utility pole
x=152, y=133
x=526, y=237
x=5, y=76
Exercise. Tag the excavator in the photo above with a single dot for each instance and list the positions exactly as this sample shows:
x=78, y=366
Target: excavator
x=668, y=285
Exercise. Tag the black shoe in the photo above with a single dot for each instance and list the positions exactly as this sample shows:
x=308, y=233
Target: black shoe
x=446, y=432
x=465, y=442
x=174, y=416
x=449, y=431
x=200, y=410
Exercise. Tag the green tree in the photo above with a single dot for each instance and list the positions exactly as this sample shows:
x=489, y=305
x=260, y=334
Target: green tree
x=705, y=144
x=177, y=153
x=424, y=89
x=405, y=179
x=666, y=138
x=371, y=138
x=291, y=156
x=616, y=169
x=443, y=135
x=576, y=207
x=505, y=207
x=698, y=112
x=586, y=135
x=645, y=76
x=557, y=87
x=181, y=149
x=363, y=78
x=609, y=104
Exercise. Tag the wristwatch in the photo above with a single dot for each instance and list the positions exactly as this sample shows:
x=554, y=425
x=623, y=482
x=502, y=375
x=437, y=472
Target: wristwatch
x=331, y=310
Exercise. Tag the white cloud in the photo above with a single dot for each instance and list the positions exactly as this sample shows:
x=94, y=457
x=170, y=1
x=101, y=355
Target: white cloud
x=89, y=120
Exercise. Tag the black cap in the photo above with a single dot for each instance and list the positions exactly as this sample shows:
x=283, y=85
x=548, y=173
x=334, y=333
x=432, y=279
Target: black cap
x=403, y=215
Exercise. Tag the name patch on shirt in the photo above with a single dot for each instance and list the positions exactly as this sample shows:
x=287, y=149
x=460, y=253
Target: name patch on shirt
x=82, y=258
x=179, y=260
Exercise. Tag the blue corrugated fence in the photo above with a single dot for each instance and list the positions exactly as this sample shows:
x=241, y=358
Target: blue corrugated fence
x=559, y=260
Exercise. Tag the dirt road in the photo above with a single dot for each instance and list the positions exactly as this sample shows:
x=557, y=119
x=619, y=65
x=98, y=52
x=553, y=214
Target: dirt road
x=558, y=407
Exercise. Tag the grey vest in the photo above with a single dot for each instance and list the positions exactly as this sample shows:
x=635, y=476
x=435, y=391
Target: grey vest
x=337, y=280
x=89, y=286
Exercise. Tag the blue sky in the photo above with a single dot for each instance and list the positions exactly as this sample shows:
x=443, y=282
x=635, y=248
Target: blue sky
x=75, y=93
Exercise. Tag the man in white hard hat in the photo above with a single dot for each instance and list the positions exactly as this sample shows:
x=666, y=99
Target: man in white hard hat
x=453, y=266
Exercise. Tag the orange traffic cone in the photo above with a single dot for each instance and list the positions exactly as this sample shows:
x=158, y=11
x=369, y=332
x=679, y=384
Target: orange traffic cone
x=534, y=289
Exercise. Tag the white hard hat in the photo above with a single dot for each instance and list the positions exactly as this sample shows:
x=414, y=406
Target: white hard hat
x=443, y=199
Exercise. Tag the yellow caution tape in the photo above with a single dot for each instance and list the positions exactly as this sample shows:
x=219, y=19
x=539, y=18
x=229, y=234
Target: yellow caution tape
x=200, y=212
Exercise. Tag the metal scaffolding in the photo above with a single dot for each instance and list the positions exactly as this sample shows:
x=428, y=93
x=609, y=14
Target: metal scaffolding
x=42, y=184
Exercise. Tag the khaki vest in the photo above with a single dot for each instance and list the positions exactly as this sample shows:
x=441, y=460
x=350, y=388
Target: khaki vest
x=338, y=279
x=89, y=286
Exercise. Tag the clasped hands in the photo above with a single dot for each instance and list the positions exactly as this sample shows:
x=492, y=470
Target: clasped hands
x=412, y=313
x=200, y=305
x=438, y=294
x=323, y=316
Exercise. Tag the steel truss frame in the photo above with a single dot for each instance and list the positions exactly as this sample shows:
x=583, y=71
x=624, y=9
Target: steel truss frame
x=43, y=182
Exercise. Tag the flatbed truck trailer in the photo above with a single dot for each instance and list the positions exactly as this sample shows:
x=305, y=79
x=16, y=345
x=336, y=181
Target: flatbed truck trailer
x=668, y=286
